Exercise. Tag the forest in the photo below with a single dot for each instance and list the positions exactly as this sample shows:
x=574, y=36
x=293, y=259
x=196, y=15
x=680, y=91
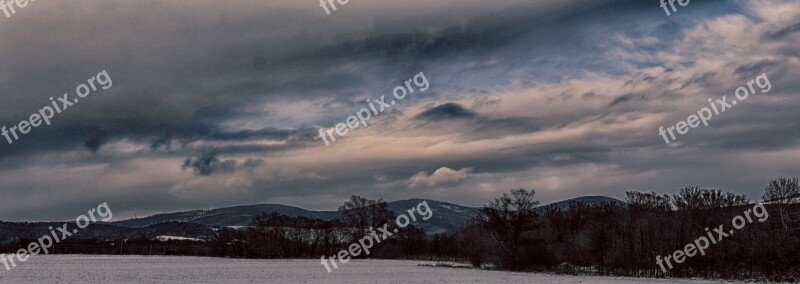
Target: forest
x=514, y=233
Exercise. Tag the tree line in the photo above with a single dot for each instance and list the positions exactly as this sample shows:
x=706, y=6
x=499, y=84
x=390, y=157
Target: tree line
x=513, y=232
x=624, y=239
x=278, y=236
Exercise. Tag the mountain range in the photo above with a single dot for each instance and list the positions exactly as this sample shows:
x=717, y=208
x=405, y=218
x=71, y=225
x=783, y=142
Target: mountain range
x=200, y=224
x=446, y=216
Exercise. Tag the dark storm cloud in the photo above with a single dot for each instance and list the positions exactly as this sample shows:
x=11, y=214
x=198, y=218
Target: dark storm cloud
x=177, y=102
x=446, y=111
x=302, y=65
x=207, y=163
x=479, y=126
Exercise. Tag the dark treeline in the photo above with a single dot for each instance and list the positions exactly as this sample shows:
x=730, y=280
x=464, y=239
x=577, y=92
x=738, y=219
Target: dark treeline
x=109, y=239
x=278, y=236
x=624, y=240
x=514, y=233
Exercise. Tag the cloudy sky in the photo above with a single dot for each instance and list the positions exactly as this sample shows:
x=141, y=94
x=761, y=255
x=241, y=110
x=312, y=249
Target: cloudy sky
x=219, y=103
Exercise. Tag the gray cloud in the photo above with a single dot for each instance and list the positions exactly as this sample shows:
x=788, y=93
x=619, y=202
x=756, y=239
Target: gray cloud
x=446, y=111
x=207, y=163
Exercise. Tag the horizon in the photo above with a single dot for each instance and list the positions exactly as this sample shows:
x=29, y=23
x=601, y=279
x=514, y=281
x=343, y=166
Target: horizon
x=126, y=218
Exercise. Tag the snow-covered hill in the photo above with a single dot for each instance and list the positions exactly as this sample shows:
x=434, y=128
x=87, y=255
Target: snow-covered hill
x=446, y=216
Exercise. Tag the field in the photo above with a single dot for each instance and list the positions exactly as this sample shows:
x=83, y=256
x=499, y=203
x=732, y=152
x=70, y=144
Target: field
x=141, y=269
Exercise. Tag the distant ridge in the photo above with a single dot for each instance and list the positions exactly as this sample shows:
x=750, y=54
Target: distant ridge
x=200, y=224
x=589, y=200
x=447, y=216
x=227, y=216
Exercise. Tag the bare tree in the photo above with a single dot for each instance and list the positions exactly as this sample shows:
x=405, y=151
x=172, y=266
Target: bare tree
x=694, y=197
x=355, y=213
x=648, y=201
x=691, y=197
x=268, y=238
x=473, y=242
x=732, y=199
x=508, y=218
x=361, y=213
x=783, y=192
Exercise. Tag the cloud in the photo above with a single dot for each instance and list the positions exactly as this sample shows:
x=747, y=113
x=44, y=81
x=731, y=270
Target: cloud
x=442, y=176
x=207, y=163
x=446, y=111
x=562, y=95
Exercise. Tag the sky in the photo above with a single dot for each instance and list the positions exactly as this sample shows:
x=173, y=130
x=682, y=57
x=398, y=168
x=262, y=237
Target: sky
x=217, y=104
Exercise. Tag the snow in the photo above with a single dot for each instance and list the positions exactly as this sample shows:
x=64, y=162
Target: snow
x=236, y=227
x=175, y=238
x=452, y=208
x=161, y=269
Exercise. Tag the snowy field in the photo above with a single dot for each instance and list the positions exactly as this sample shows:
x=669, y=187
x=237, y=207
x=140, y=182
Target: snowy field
x=142, y=269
